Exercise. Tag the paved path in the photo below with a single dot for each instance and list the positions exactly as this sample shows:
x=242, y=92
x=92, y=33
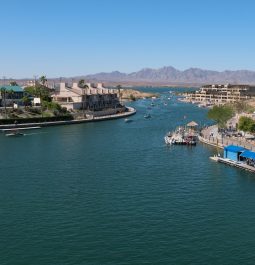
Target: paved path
x=210, y=136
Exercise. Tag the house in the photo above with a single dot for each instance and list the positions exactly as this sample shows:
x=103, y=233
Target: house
x=88, y=98
x=10, y=95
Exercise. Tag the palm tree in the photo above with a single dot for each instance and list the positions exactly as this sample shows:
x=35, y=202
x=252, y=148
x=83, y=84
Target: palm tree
x=81, y=83
x=85, y=86
x=43, y=80
x=11, y=93
x=13, y=83
x=119, y=87
x=3, y=94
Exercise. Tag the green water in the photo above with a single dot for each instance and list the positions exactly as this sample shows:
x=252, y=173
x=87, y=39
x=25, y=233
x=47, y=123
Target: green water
x=113, y=193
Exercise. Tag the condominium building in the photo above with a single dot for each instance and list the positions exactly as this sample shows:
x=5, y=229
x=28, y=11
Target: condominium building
x=218, y=94
x=88, y=98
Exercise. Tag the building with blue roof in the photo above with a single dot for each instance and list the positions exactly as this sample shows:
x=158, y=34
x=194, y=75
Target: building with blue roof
x=248, y=155
x=11, y=94
x=233, y=152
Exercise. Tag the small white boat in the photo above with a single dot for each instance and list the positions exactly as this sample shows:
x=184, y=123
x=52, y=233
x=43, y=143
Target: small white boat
x=128, y=120
x=18, y=131
x=147, y=116
x=214, y=158
x=14, y=133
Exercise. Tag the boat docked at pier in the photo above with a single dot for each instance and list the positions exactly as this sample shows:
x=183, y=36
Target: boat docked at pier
x=182, y=135
x=18, y=131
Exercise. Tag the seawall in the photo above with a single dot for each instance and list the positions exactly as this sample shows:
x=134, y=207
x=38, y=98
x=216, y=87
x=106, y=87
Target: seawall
x=131, y=111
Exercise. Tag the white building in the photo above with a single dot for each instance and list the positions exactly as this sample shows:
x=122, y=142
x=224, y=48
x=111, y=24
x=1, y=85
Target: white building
x=89, y=98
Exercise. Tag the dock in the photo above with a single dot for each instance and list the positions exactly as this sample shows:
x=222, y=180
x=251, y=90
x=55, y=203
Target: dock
x=230, y=162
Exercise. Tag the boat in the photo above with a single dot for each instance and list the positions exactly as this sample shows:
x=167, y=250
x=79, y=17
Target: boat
x=18, y=131
x=147, y=116
x=14, y=132
x=128, y=120
x=181, y=137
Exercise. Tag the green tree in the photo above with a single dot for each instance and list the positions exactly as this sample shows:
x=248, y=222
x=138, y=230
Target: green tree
x=13, y=83
x=246, y=124
x=221, y=114
x=26, y=101
x=132, y=97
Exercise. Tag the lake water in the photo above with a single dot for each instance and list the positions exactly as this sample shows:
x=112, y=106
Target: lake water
x=112, y=193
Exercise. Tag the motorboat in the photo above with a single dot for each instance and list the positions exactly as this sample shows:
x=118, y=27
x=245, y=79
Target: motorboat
x=147, y=116
x=128, y=120
x=180, y=137
x=14, y=133
x=18, y=131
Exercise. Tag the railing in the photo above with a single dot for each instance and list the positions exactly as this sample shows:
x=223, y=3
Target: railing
x=220, y=141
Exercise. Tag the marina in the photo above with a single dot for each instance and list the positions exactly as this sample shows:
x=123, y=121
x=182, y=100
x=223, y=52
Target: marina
x=115, y=189
x=237, y=156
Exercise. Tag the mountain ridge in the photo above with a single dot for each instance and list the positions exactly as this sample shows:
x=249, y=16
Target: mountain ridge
x=169, y=74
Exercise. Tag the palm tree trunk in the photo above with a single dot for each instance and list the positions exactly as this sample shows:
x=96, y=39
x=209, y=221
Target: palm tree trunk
x=5, y=110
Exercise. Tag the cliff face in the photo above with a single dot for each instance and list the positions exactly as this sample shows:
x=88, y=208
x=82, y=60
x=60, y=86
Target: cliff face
x=171, y=75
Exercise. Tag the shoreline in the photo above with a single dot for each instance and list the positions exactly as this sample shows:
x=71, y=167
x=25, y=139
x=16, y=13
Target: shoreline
x=131, y=111
x=222, y=142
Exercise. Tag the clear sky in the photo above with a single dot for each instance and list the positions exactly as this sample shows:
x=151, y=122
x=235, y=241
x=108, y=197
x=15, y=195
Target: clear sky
x=77, y=37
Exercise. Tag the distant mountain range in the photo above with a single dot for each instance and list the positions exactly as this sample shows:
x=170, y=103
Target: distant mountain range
x=170, y=75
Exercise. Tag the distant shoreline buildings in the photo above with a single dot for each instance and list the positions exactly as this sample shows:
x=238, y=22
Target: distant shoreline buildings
x=220, y=94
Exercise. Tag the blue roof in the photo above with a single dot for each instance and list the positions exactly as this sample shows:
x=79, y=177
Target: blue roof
x=234, y=148
x=248, y=154
x=13, y=88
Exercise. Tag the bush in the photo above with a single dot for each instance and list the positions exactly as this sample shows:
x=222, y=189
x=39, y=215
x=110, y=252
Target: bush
x=36, y=119
x=132, y=97
x=221, y=114
x=246, y=124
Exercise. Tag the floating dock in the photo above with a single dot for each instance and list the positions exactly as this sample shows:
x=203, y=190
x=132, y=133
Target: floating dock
x=230, y=162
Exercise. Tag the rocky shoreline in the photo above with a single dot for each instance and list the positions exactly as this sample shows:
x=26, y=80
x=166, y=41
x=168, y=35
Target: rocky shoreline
x=132, y=94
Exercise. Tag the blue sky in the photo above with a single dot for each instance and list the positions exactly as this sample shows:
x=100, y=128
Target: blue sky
x=67, y=38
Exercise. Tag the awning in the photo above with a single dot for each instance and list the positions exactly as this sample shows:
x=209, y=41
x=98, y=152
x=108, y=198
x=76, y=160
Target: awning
x=234, y=148
x=248, y=154
x=192, y=124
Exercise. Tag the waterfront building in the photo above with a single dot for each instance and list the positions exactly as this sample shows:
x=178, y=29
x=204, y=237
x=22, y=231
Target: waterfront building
x=220, y=94
x=88, y=98
x=233, y=152
x=10, y=95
